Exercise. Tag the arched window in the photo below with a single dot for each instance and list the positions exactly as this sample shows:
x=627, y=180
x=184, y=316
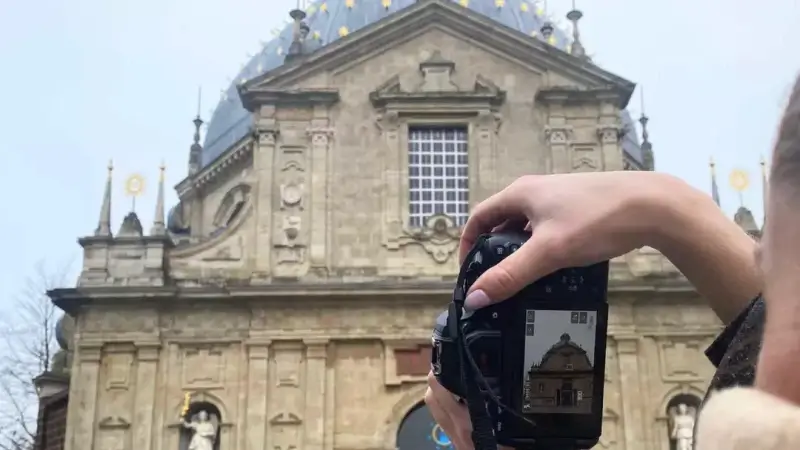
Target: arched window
x=201, y=414
x=682, y=414
x=419, y=431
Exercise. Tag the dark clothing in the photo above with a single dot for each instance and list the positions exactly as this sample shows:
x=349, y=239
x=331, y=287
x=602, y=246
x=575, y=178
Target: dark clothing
x=735, y=351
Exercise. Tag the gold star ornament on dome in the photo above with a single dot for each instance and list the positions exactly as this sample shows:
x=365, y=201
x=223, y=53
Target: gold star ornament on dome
x=523, y=7
x=343, y=31
x=739, y=180
x=134, y=185
x=552, y=39
x=499, y=3
x=463, y=3
x=316, y=35
x=323, y=7
x=349, y=3
x=386, y=3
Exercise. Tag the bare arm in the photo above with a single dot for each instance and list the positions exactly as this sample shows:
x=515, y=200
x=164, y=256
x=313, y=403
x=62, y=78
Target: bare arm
x=714, y=254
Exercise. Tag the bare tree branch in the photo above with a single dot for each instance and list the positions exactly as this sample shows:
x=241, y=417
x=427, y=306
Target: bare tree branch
x=29, y=334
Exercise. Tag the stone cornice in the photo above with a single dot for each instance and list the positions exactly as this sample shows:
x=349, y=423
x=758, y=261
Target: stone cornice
x=221, y=164
x=253, y=96
x=449, y=16
x=407, y=292
x=571, y=95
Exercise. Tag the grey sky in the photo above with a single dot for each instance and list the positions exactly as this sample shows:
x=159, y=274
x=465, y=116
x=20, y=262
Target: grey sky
x=549, y=326
x=84, y=81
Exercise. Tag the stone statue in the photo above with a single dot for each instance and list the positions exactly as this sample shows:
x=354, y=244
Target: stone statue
x=204, y=430
x=683, y=420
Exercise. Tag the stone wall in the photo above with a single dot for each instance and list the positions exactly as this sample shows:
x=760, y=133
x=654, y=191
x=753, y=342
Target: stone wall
x=338, y=374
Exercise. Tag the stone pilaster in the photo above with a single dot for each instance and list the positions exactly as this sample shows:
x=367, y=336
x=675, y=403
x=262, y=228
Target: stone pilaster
x=320, y=135
x=558, y=136
x=147, y=356
x=82, y=415
x=393, y=170
x=263, y=164
x=487, y=125
x=330, y=403
x=257, y=390
x=609, y=137
x=631, y=392
x=315, y=419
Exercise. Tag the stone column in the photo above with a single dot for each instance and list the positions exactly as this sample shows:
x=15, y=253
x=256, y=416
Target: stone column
x=145, y=396
x=320, y=146
x=315, y=423
x=631, y=391
x=483, y=168
x=82, y=413
x=257, y=390
x=263, y=164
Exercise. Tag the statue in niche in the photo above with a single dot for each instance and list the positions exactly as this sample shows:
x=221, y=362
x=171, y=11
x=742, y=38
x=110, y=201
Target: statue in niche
x=201, y=424
x=682, y=421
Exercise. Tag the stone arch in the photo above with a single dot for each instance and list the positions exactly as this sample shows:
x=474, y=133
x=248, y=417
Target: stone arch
x=681, y=390
x=407, y=403
x=680, y=394
x=200, y=397
x=215, y=415
x=232, y=206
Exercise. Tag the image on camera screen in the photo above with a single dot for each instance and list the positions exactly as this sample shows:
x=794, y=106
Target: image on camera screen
x=558, y=367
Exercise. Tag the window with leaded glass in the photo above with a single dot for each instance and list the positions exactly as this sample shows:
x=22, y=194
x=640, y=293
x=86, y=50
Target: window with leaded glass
x=438, y=174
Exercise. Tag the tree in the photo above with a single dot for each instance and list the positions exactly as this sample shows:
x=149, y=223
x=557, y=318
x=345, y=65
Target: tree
x=28, y=329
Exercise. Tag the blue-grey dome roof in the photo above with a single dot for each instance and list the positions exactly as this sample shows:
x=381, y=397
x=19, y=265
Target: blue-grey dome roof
x=330, y=20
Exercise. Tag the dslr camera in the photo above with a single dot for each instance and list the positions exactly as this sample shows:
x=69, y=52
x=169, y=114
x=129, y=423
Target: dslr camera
x=531, y=368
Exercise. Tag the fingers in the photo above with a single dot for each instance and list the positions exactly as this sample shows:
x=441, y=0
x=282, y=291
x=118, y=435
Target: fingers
x=505, y=206
x=532, y=261
x=449, y=414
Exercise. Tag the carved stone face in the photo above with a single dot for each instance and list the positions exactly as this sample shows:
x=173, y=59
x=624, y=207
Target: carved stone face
x=202, y=416
x=682, y=409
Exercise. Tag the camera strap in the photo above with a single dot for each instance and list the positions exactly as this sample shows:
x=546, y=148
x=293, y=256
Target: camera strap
x=483, y=437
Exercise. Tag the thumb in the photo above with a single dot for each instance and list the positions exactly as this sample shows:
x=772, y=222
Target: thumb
x=532, y=261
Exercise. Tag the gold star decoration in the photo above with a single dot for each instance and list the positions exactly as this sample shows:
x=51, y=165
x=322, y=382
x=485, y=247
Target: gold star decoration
x=539, y=11
x=523, y=7
x=323, y=7
x=552, y=39
x=343, y=31
x=499, y=3
x=311, y=9
x=463, y=3
x=349, y=3
x=316, y=35
x=386, y=3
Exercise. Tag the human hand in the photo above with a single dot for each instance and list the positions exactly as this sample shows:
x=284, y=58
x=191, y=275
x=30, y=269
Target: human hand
x=575, y=220
x=451, y=415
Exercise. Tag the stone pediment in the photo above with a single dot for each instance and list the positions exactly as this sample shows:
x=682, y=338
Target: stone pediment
x=482, y=91
x=450, y=17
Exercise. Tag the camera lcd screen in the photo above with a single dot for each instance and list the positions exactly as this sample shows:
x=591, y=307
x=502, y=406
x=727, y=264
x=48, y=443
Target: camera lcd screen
x=558, y=375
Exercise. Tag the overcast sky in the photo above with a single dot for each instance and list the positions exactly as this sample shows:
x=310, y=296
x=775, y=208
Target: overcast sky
x=85, y=81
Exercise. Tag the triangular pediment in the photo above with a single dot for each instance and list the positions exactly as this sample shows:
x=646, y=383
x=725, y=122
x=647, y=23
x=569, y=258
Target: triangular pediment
x=450, y=17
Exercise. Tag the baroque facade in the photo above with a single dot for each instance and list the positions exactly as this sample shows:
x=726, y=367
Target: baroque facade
x=292, y=292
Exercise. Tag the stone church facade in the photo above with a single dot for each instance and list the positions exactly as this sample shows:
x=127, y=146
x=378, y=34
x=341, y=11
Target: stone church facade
x=294, y=288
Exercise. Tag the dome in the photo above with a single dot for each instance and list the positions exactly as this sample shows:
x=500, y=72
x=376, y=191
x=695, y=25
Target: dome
x=328, y=21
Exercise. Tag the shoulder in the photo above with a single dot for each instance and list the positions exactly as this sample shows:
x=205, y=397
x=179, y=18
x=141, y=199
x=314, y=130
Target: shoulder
x=772, y=423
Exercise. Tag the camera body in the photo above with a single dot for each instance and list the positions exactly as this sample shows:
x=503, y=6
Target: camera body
x=542, y=352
